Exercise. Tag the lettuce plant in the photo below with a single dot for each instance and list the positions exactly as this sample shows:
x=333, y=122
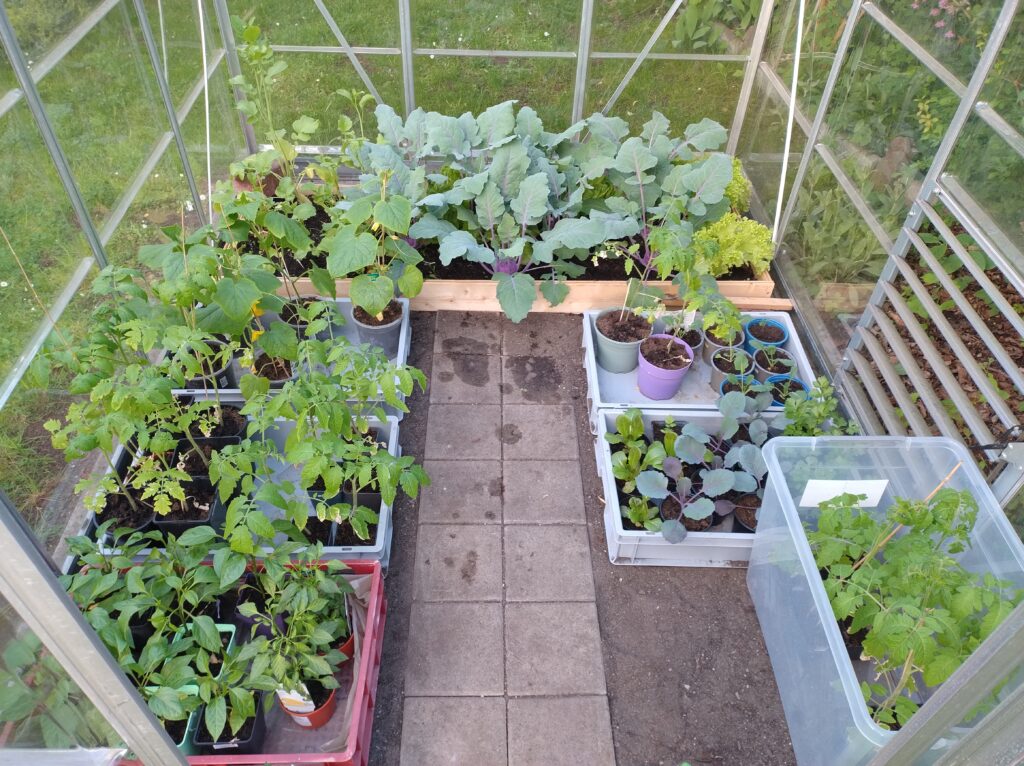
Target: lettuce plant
x=733, y=242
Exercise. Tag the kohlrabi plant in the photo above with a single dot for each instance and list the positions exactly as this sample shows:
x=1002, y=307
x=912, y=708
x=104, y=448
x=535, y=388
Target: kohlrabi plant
x=895, y=584
x=701, y=468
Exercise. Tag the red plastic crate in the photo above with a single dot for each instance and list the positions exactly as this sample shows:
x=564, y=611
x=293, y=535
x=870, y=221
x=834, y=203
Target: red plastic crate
x=364, y=703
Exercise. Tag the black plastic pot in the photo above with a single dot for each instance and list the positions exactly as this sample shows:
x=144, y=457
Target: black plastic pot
x=217, y=442
x=215, y=518
x=253, y=743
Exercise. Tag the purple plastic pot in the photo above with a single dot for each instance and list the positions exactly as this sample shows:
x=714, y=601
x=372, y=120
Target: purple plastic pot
x=657, y=383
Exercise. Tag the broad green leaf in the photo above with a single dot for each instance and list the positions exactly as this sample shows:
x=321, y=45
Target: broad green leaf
x=430, y=227
x=279, y=341
x=699, y=509
x=410, y=282
x=516, y=294
x=717, y=482
x=673, y=531
x=652, y=484
x=216, y=717
x=197, y=536
x=394, y=214
x=706, y=135
x=236, y=296
x=555, y=292
x=372, y=293
x=348, y=254
x=531, y=203
x=634, y=160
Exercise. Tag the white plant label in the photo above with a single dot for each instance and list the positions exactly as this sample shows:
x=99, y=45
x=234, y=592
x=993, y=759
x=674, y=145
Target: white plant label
x=818, y=491
x=296, y=701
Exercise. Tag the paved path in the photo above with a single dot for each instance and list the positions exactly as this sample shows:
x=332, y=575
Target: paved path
x=504, y=662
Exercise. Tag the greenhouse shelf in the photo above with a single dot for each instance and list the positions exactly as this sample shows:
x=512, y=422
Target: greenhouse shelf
x=719, y=548
x=818, y=682
x=348, y=331
x=607, y=390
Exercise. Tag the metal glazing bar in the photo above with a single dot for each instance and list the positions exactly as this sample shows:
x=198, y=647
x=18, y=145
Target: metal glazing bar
x=918, y=425
x=579, y=93
x=994, y=293
x=890, y=420
x=967, y=409
x=851, y=391
x=56, y=54
x=815, y=132
x=405, y=40
x=352, y=58
x=721, y=57
x=985, y=668
x=35, y=104
x=227, y=37
x=996, y=348
x=994, y=739
x=150, y=163
x=956, y=345
x=931, y=63
x=493, y=53
x=42, y=332
x=855, y=196
x=778, y=89
x=28, y=583
x=336, y=49
x=749, y=73
x=982, y=229
x=1002, y=128
x=642, y=56
x=165, y=97
x=921, y=385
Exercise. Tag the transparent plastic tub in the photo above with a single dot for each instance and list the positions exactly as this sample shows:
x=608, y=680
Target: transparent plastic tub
x=828, y=720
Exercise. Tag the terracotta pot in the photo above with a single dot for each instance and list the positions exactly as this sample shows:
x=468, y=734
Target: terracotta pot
x=348, y=648
x=316, y=718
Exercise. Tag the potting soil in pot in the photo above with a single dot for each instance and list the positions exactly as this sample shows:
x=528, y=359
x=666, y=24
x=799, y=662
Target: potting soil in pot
x=664, y=354
x=763, y=331
x=118, y=507
x=670, y=510
x=199, y=499
x=746, y=511
x=391, y=313
x=624, y=327
x=272, y=368
x=232, y=423
x=318, y=530
x=780, y=366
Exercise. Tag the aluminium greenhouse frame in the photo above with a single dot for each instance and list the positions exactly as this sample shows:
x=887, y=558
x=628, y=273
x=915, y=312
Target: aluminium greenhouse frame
x=864, y=372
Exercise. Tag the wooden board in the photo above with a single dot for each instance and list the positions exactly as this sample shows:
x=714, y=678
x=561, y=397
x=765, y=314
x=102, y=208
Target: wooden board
x=480, y=295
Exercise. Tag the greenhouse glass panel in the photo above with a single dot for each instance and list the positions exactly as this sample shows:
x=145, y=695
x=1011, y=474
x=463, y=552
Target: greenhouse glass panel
x=453, y=85
x=309, y=87
x=369, y=24
x=710, y=27
x=887, y=117
x=45, y=713
x=103, y=102
x=684, y=91
x=529, y=25
x=830, y=258
x=988, y=170
x=762, y=141
x=953, y=32
x=176, y=33
x=226, y=143
x=823, y=26
x=1002, y=89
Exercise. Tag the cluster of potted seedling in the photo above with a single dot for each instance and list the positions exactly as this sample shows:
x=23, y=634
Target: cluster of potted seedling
x=745, y=354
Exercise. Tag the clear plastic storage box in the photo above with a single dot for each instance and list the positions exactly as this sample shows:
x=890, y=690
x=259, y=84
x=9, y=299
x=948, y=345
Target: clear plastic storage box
x=820, y=689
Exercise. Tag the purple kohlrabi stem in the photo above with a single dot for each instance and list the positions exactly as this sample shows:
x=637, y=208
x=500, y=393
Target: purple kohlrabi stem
x=506, y=266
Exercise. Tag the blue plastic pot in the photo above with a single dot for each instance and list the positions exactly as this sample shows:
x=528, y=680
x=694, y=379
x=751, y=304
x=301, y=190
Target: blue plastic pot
x=749, y=379
x=752, y=344
x=792, y=378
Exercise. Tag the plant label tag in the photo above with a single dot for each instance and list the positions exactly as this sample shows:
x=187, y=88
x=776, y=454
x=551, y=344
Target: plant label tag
x=295, y=701
x=818, y=491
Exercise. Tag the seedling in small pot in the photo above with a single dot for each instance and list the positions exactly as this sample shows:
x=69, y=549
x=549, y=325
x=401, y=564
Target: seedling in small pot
x=641, y=514
x=636, y=453
x=773, y=360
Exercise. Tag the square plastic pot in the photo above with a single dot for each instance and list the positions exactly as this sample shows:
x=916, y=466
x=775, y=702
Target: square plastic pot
x=347, y=331
x=819, y=685
x=719, y=546
x=607, y=390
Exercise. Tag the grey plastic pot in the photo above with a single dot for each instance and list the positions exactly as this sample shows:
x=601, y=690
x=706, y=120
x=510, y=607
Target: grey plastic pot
x=711, y=346
x=717, y=375
x=615, y=355
x=385, y=336
x=763, y=374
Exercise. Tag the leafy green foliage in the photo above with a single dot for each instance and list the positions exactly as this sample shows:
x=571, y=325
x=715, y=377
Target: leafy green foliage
x=816, y=414
x=739, y=190
x=733, y=242
x=896, y=580
x=700, y=24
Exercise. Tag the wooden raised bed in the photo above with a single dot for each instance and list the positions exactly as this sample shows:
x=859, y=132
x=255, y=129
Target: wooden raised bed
x=479, y=295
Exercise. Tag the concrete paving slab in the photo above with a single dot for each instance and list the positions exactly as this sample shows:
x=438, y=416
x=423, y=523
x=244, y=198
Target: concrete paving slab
x=465, y=379
x=535, y=380
x=463, y=431
x=558, y=335
x=542, y=492
x=529, y=431
x=459, y=563
x=455, y=650
x=553, y=649
x=468, y=332
x=462, y=492
x=559, y=731
x=548, y=563
x=441, y=731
